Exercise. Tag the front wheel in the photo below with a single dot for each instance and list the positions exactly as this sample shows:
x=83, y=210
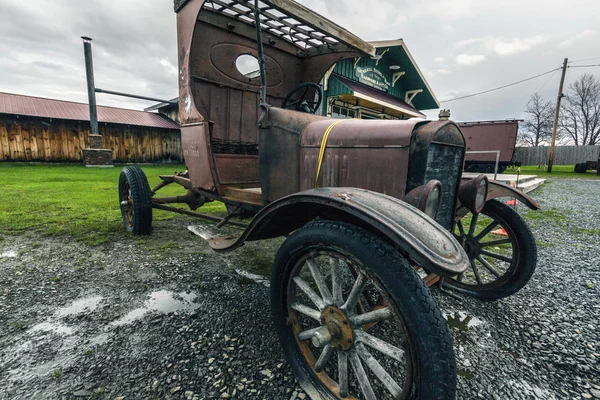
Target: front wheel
x=354, y=319
x=135, y=199
x=501, y=249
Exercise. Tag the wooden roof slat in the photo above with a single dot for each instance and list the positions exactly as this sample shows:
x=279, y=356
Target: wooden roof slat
x=322, y=24
x=271, y=17
x=299, y=21
x=269, y=23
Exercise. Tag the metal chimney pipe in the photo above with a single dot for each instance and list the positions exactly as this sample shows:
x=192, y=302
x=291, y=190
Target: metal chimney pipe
x=89, y=72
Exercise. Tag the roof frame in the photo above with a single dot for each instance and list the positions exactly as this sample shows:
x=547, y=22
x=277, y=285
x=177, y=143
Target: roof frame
x=292, y=22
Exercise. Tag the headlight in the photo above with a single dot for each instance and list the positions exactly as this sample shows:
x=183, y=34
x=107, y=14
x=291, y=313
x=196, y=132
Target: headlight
x=432, y=205
x=481, y=194
x=473, y=194
x=426, y=198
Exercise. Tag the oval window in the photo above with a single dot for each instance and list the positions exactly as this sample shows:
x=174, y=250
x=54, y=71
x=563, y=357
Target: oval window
x=247, y=65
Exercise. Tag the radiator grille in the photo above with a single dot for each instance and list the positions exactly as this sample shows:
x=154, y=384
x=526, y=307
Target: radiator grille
x=444, y=163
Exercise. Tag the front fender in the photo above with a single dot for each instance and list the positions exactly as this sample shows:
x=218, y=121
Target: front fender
x=499, y=189
x=418, y=236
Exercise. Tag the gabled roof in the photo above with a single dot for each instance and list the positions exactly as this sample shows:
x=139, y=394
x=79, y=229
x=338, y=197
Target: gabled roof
x=413, y=75
x=59, y=109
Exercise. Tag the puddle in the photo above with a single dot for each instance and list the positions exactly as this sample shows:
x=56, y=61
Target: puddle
x=162, y=301
x=461, y=321
x=465, y=373
x=79, y=306
x=9, y=254
x=256, y=278
x=54, y=327
x=206, y=232
x=99, y=339
x=531, y=391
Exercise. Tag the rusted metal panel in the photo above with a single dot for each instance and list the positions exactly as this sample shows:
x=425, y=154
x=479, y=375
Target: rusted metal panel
x=370, y=154
x=360, y=133
x=492, y=135
x=279, y=148
x=382, y=170
x=235, y=115
x=212, y=62
x=196, y=151
x=237, y=169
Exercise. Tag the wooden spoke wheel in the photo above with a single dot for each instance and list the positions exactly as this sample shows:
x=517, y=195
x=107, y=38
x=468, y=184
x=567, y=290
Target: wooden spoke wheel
x=356, y=321
x=501, y=249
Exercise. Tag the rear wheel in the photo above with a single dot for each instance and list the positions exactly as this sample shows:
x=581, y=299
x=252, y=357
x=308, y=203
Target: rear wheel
x=355, y=320
x=581, y=168
x=501, y=249
x=135, y=199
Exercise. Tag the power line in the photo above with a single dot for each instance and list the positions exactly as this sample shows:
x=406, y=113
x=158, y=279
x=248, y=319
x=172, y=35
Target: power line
x=585, y=59
x=539, y=90
x=584, y=66
x=500, y=87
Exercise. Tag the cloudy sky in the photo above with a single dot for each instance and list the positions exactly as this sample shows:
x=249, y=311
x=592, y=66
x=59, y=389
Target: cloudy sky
x=462, y=46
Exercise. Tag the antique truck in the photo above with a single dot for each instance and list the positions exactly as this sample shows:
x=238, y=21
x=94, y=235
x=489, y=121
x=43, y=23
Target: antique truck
x=582, y=168
x=373, y=212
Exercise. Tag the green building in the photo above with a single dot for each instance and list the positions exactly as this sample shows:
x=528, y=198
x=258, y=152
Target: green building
x=387, y=86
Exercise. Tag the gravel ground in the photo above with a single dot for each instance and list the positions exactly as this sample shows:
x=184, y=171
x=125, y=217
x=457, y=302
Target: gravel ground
x=165, y=317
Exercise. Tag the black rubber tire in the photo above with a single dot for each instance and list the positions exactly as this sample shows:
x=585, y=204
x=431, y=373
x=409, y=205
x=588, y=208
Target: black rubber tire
x=140, y=222
x=470, y=168
x=436, y=369
x=518, y=274
x=581, y=168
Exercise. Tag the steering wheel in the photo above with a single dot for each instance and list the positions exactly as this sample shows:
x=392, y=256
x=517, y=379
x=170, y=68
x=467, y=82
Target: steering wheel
x=299, y=103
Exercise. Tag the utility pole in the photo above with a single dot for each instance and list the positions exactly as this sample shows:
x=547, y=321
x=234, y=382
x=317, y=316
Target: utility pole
x=554, y=129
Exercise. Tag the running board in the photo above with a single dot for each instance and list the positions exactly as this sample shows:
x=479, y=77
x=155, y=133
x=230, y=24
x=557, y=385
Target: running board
x=216, y=238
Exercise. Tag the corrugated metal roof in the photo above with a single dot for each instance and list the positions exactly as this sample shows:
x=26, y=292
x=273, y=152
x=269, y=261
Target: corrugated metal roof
x=59, y=109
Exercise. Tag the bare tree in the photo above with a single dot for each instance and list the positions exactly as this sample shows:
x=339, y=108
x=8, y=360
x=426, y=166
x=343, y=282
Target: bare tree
x=580, y=113
x=536, y=130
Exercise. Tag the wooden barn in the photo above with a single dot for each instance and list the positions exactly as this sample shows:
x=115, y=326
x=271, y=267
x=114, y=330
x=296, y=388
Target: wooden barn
x=40, y=129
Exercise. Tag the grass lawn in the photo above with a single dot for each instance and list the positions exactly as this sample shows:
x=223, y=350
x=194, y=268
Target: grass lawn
x=558, y=171
x=67, y=199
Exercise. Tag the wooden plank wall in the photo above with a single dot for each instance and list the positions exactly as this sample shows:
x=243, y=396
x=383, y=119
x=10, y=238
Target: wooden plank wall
x=564, y=155
x=34, y=139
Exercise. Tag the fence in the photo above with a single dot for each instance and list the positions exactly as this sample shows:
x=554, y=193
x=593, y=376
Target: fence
x=31, y=139
x=564, y=155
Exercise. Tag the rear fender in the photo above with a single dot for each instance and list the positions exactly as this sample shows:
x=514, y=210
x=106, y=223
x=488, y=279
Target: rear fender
x=499, y=189
x=415, y=234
